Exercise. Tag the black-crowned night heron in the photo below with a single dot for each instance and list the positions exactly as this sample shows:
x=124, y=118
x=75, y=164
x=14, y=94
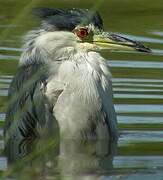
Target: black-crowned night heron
x=61, y=76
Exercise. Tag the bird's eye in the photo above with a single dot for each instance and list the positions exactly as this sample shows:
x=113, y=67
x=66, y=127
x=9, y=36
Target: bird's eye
x=82, y=32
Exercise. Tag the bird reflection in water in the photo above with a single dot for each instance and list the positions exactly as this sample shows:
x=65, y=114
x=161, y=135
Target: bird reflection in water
x=50, y=159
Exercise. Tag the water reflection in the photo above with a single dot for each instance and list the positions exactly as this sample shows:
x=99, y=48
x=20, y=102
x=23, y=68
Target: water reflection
x=72, y=159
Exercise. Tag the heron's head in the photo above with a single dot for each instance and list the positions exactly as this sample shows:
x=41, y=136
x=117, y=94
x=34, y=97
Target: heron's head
x=78, y=30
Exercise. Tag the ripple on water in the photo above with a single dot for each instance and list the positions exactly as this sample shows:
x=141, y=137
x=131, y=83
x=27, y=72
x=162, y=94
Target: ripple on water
x=138, y=108
x=137, y=96
x=136, y=64
x=158, y=52
x=10, y=49
x=138, y=162
x=2, y=116
x=138, y=136
x=124, y=119
x=4, y=84
x=8, y=57
x=140, y=84
x=3, y=163
x=136, y=176
x=138, y=89
x=143, y=39
x=158, y=33
x=122, y=89
x=137, y=80
x=3, y=92
x=5, y=79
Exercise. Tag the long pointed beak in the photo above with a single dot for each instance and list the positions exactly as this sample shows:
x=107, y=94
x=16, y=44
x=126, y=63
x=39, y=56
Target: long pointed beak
x=116, y=42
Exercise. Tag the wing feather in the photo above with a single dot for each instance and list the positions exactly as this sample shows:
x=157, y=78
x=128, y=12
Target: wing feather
x=27, y=106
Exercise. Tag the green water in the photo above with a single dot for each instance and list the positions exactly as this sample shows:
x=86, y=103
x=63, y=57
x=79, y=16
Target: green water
x=137, y=82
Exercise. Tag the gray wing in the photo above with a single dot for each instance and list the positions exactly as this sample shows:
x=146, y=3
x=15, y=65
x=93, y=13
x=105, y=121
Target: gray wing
x=28, y=110
x=108, y=111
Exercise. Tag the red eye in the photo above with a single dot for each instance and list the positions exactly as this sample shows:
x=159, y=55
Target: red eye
x=82, y=32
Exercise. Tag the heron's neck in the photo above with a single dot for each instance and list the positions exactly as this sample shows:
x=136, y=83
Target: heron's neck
x=85, y=63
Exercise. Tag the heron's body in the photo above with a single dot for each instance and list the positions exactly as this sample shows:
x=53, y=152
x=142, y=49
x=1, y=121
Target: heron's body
x=83, y=87
x=62, y=81
x=78, y=87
